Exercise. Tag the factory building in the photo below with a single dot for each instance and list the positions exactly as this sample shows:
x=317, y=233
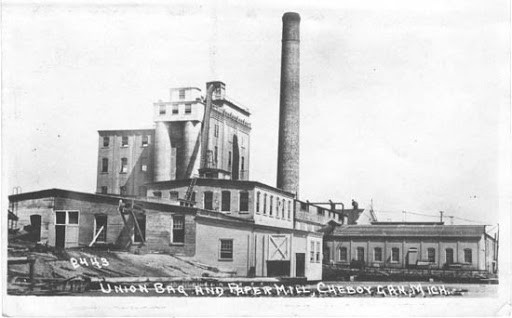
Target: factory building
x=260, y=244
x=411, y=245
x=129, y=159
x=183, y=188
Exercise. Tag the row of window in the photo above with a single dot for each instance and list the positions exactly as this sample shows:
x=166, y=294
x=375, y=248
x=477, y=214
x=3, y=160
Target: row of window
x=395, y=255
x=304, y=206
x=230, y=158
x=125, y=140
x=124, y=166
x=175, y=109
x=208, y=199
x=314, y=252
x=283, y=206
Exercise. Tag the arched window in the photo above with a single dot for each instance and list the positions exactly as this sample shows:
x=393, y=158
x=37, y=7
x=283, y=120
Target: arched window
x=265, y=203
x=449, y=255
x=468, y=255
x=271, y=205
x=431, y=254
x=104, y=165
x=257, y=202
x=342, y=254
x=124, y=165
x=377, y=254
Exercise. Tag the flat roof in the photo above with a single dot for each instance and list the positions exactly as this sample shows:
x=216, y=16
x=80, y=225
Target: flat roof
x=217, y=182
x=409, y=230
x=126, y=130
x=112, y=199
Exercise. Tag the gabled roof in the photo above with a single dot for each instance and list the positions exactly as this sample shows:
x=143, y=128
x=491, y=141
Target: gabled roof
x=402, y=230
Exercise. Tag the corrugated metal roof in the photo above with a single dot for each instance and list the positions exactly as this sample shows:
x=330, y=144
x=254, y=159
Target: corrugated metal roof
x=409, y=230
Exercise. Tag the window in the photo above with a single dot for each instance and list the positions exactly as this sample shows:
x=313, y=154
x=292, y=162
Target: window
x=265, y=203
x=104, y=190
x=73, y=217
x=229, y=159
x=162, y=110
x=188, y=108
x=124, y=165
x=144, y=167
x=377, y=254
x=145, y=141
x=193, y=197
x=104, y=165
x=289, y=209
x=317, y=252
x=242, y=164
x=216, y=130
x=449, y=255
x=122, y=190
x=181, y=94
x=157, y=194
x=100, y=224
x=60, y=217
x=106, y=141
x=175, y=109
x=174, y=195
x=178, y=229
x=226, y=250
x=304, y=206
x=208, y=200
x=312, y=252
x=216, y=154
x=124, y=141
x=226, y=201
x=395, y=254
x=320, y=211
x=468, y=255
x=66, y=217
x=342, y=254
x=257, y=202
x=244, y=201
x=283, y=208
x=278, y=208
x=431, y=255
x=360, y=254
x=271, y=205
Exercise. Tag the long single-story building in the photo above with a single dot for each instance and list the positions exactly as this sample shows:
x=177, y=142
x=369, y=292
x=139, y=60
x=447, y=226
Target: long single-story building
x=408, y=245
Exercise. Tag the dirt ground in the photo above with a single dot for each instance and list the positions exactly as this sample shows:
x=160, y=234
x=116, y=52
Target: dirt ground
x=91, y=262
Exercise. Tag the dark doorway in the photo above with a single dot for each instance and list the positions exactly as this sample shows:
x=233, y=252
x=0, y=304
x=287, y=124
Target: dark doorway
x=60, y=236
x=101, y=224
x=300, y=264
x=327, y=255
x=60, y=229
x=141, y=219
x=235, y=170
x=35, y=226
x=278, y=268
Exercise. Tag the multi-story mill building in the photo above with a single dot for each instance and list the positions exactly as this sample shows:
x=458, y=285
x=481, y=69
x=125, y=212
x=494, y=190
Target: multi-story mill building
x=130, y=159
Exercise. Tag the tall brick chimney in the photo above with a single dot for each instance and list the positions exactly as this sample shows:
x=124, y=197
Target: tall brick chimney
x=289, y=110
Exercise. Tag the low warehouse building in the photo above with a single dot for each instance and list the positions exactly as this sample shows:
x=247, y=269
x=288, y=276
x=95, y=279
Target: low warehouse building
x=242, y=245
x=410, y=245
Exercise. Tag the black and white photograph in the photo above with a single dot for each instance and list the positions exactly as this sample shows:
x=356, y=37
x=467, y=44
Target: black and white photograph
x=237, y=158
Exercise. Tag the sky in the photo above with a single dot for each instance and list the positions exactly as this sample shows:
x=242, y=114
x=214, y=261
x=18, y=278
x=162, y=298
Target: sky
x=406, y=103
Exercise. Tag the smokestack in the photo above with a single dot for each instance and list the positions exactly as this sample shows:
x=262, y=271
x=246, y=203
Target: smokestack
x=289, y=114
